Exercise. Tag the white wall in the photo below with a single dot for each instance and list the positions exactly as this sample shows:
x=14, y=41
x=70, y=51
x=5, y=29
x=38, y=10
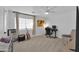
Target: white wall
x=6, y=21
x=1, y=21
x=10, y=19
x=65, y=21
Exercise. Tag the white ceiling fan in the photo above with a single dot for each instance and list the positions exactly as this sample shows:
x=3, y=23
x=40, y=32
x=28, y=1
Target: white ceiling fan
x=49, y=10
x=46, y=10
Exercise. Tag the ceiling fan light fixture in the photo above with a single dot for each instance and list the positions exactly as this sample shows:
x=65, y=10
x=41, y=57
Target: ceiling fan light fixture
x=46, y=13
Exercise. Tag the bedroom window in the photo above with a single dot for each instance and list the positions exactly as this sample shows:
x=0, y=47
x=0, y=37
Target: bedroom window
x=25, y=23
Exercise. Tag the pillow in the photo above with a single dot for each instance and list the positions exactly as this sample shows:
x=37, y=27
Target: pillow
x=5, y=39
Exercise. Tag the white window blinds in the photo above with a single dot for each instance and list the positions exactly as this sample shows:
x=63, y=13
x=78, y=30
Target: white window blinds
x=25, y=21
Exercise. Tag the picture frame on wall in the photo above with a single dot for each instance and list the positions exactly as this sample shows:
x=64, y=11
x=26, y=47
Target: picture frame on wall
x=40, y=23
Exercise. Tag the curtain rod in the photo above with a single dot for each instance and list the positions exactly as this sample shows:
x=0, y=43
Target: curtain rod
x=22, y=13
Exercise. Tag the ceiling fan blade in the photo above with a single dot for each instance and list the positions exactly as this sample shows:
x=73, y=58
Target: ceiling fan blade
x=51, y=11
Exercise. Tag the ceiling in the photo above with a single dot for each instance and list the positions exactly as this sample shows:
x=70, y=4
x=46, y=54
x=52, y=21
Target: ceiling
x=40, y=10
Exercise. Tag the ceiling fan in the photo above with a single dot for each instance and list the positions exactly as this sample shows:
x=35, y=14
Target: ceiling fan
x=49, y=10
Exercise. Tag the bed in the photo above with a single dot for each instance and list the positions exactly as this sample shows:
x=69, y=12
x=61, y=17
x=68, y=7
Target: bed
x=6, y=44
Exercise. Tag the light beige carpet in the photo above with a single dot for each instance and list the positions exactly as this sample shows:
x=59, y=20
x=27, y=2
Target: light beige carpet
x=40, y=44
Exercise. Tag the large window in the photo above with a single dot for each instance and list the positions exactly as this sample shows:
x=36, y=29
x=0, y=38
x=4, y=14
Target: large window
x=25, y=23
